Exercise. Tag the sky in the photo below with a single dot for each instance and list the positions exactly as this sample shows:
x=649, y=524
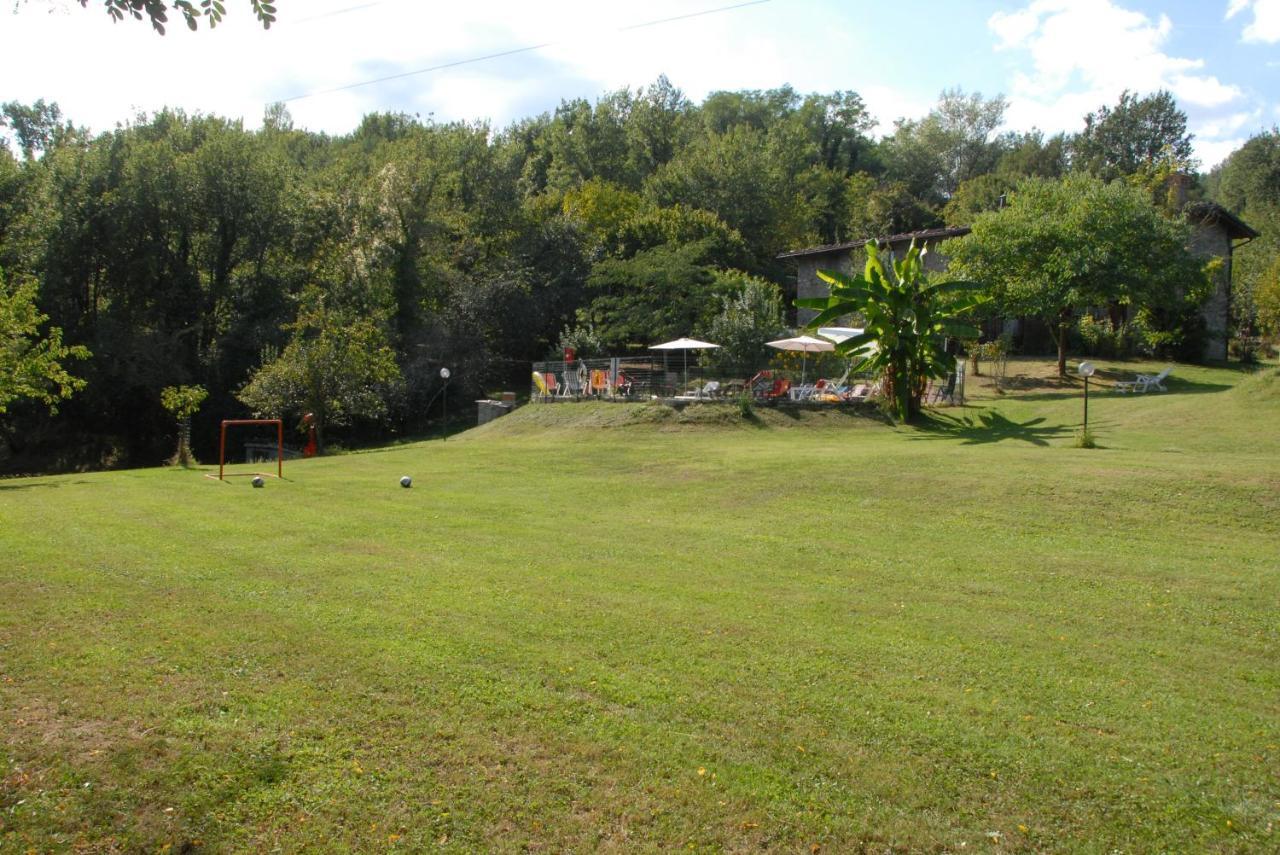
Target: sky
x=1054, y=60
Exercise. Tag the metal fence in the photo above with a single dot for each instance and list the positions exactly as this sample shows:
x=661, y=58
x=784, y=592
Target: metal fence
x=641, y=377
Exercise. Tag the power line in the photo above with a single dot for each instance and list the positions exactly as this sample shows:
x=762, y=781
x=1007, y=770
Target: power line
x=335, y=12
x=513, y=51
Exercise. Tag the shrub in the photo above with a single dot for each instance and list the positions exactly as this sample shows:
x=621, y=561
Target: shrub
x=1085, y=439
x=748, y=318
x=1246, y=349
x=584, y=341
x=1108, y=340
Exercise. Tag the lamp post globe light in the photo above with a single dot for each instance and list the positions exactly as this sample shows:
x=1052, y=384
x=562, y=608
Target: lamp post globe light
x=1086, y=370
x=445, y=374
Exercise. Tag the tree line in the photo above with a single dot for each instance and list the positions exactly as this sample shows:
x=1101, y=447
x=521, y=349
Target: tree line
x=290, y=271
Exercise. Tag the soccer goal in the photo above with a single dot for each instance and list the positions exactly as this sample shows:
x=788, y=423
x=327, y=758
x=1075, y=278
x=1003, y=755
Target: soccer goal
x=222, y=445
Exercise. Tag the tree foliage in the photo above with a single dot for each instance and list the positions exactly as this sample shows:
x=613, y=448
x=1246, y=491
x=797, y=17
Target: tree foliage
x=192, y=11
x=1267, y=300
x=907, y=318
x=336, y=367
x=955, y=142
x=658, y=294
x=1058, y=247
x=31, y=361
x=1118, y=141
x=750, y=315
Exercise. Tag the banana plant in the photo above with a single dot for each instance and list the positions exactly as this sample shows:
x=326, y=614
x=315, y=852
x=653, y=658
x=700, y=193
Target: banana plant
x=907, y=319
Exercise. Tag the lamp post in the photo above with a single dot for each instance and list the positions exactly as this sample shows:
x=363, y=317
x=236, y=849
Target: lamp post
x=444, y=405
x=1085, y=370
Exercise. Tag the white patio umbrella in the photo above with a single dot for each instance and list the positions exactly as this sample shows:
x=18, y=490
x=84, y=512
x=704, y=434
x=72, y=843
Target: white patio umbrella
x=686, y=345
x=842, y=334
x=806, y=344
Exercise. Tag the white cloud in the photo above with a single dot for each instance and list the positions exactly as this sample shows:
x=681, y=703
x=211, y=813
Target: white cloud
x=1213, y=152
x=1235, y=7
x=1265, y=26
x=890, y=103
x=113, y=71
x=1228, y=125
x=1084, y=53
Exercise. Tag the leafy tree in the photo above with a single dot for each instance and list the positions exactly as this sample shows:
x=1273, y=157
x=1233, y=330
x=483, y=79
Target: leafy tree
x=719, y=244
x=36, y=127
x=750, y=315
x=956, y=141
x=1061, y=246
x=182, y=403
x=1032, y=155
x=975, y=196
x=659, y=294
x=157, y=11
x=891, y=208
x=603, y=208
x=655, y=126
x=1119, y=140
x=31, y=363
x=1267, y=299
x=336, y=366
x=908, y=319
x=735, y=176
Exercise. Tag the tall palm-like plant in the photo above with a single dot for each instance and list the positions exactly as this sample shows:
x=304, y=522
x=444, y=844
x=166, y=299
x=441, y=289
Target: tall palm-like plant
x=907, y=318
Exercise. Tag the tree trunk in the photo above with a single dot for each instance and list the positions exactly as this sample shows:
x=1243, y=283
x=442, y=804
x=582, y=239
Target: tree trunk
x=185, y=457
x=1063, y=322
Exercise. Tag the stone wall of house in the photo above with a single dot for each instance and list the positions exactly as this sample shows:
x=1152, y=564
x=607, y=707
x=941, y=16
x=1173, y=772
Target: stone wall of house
x=809, y=285
x=807, y=266
x=1210, y=240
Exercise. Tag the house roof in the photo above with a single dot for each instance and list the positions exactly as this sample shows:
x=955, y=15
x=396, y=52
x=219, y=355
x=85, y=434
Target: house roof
x=1212, y=213
x=926, y=234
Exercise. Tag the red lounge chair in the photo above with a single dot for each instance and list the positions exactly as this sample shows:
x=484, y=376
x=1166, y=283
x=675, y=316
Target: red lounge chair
x=751, y=384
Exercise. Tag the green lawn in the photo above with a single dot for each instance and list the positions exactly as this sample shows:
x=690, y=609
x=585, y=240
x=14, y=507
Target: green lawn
x=606, y=627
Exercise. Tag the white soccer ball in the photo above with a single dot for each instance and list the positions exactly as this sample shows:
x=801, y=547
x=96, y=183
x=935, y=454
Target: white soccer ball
x=257, y=481
x=406, y=481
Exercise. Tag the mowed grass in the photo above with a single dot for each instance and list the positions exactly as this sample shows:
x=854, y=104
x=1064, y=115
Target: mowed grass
x=596, y=627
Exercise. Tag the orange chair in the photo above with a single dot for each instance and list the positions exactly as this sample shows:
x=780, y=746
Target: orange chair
x=553, y=388
x=599, y=381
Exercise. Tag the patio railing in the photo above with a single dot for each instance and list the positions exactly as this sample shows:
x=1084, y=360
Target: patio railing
x=643, y=377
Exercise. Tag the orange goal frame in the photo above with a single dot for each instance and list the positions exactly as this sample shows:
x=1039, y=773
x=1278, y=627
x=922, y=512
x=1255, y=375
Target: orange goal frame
x=222, y=444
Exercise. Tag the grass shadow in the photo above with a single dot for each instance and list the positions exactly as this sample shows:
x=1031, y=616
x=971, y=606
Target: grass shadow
x=1175, y=387
x=9, y=485
x=989, y=427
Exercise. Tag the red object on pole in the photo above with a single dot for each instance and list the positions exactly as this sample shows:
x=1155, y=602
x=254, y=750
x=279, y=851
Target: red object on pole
x=312, y=447
x=570, y=354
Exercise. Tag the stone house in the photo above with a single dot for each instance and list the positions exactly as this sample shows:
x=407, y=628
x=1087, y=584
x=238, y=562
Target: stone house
x=1216, y=233
x=839, y=256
